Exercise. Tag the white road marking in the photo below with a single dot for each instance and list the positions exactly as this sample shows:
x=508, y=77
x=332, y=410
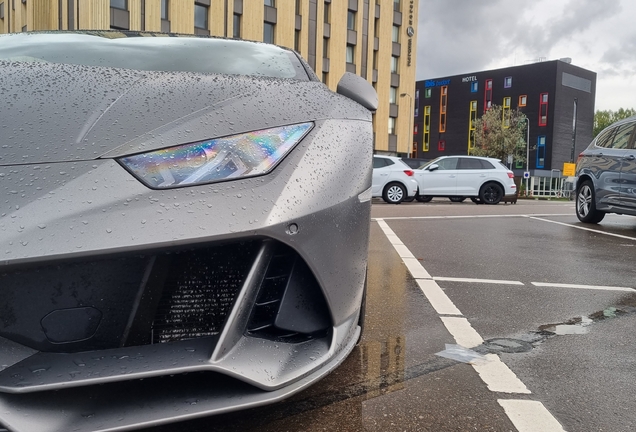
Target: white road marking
x=464, y=334
x=403, y=251
x=590, y=287
x=499, y=378
x=416, y=268
x=488, y=281
x=496, y=374
x=470, y=216
x=530, y=416
x=437, y=298
x=583, y=228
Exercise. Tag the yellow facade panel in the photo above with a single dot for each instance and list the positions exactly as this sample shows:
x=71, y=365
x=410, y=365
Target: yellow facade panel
x=152, y=16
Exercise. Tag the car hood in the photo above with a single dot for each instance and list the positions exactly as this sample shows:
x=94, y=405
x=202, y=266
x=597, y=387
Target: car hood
x=64, y=113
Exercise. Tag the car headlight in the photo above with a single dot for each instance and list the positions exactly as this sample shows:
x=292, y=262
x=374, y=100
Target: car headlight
x=238, y=156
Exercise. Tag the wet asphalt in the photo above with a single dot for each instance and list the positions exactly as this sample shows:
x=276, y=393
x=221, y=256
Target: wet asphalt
x=514, y=257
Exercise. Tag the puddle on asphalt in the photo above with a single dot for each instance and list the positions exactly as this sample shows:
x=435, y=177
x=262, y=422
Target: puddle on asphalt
x=572, y=327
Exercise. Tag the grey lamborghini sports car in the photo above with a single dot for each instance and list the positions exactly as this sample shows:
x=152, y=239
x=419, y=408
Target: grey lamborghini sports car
x=183, y=227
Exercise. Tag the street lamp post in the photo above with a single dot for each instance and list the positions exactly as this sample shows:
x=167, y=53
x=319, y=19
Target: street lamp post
x=410, y=117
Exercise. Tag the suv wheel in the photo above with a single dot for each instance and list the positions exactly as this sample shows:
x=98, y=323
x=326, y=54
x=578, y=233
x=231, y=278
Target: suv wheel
x=423, y=198
x=491, y=193
x=394, y=193
x=586, y=204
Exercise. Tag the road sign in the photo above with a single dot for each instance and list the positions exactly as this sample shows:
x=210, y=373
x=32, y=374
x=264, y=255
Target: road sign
x=569, y=169
x=526, y=174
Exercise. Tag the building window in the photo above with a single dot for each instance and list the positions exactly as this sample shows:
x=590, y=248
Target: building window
x=268, y=33
x=397, y=5
x=523, y=100
x=325, y=77
x=299, y=6
x=507, y=82
x=443, y=100
x=471, y=125
x=392, y=95
x=351, y=20
x=200, y=16
x=395, y=35
x=474, y=87
x=236, y=30
x=427, y=129
x=1, y=10
x=119, y=4
x=327, y=13
x=441, y=145
x=164, y=9
x=543, y=110
x=271, y=3
x=350, y=53
x=505, y=113
x=325, y=47
x=391, y=125
x=427, y=93
x=541, y=152
x=488, y=95
x=394, y=64
x=297, y=40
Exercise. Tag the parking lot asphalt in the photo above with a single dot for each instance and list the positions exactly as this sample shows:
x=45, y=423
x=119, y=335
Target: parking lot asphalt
x=545, y=303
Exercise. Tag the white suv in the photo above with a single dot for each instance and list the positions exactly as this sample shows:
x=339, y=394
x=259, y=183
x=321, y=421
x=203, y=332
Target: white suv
x=392, y=179
x=484, y=180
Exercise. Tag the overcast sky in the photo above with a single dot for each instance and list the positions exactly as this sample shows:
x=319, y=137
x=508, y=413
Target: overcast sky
x=461, y=36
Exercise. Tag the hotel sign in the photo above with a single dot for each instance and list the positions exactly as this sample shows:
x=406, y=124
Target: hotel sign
x=410, y=32
x=438, y=83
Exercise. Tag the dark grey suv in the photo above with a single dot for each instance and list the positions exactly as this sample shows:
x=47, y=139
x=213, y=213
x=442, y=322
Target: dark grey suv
x=606, y=174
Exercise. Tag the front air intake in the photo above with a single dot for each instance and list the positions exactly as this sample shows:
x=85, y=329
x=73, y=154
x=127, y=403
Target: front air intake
x=200, y=291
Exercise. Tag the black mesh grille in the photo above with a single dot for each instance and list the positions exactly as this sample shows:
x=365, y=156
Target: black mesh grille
x=200, y=291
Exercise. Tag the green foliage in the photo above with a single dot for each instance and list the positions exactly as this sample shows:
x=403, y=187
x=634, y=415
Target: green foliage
x=603, y=119
x=497, y=138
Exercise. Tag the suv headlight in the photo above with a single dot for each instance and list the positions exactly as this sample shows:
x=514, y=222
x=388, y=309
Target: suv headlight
x=238, y=156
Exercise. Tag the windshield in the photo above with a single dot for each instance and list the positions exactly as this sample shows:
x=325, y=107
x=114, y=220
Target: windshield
x=159, y=52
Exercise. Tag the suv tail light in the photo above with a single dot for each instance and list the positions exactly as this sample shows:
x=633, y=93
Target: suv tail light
x=581, y=156
x=511, y=175
x=409, y=173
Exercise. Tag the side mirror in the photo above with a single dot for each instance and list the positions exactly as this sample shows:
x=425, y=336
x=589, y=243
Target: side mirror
x=358, y=89
x=432, y=167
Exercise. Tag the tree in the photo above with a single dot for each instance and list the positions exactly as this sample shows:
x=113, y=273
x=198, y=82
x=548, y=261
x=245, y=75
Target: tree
x=499, y=136
x=603, y=119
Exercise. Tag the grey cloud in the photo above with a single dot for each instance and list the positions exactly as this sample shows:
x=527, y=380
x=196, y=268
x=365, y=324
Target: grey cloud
x=578, y=16
x=457, y=36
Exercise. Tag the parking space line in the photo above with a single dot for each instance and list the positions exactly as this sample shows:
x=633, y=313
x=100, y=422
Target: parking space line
x=464, y=334
x=590, y=287
x=583, y=228
x=416, y=268
x=497, y=376
x=530, y=416
x=437, y=298
x=469, y=216
x=488, y=281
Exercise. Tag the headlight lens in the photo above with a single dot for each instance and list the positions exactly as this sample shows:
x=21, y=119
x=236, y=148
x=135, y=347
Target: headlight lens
x=232, y=157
